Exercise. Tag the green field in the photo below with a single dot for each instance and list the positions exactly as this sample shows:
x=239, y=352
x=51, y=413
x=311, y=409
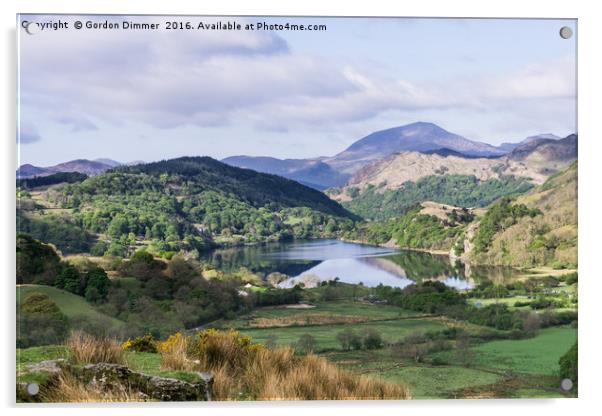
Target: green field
x=538, y=355
x=325, y=335
x=328, y=311
x=71, y=305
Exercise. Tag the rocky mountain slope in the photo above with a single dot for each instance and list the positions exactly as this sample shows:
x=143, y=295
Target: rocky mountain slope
x=334, y=171
x=536, y=160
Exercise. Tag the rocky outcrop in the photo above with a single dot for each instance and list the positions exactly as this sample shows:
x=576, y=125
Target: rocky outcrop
x=106, y=376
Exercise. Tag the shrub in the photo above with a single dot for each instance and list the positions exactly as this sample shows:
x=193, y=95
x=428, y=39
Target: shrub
x=173, y=352
x=349, y=339
x=306, y=343
x=143, y=343
x=40, y=321
x=372, y=339
x=88, y=349
x=569, y=364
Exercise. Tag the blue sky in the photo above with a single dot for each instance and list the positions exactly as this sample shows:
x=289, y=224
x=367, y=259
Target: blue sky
x=133, y=95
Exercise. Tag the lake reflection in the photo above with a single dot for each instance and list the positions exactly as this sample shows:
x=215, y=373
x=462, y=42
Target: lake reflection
x=310, y=262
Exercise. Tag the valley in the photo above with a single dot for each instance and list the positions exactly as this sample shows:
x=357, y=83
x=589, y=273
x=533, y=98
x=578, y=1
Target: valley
x=432, y=266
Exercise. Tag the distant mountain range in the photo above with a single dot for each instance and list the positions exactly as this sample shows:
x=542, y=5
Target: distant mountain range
x=335, y=171
x=88, y=167
x=327, y=172
x=534, y=159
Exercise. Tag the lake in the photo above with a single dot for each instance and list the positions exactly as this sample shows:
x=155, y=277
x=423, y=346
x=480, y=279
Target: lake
x=310, y=262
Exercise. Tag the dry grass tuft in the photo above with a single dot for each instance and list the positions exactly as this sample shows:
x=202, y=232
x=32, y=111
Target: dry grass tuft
x=246, y=371
x=88, y=349
x=70, y=389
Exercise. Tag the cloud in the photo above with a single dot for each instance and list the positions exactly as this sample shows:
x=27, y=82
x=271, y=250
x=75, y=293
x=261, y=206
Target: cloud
x=27, y=133
x=168, y=79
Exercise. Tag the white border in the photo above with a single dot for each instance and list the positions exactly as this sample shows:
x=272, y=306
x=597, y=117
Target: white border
x=590, y=35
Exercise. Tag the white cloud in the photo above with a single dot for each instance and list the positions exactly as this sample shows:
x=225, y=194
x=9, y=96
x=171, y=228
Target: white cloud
x=167, y=79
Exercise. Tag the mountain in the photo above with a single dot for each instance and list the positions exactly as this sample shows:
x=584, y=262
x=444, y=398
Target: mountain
x=310, y=172
x=388, y=186
x=109, y=162
x=420, y=137
x=253, y=187
x=88, y=167
x=508, y=147
x=542, y=149
x=328, y=172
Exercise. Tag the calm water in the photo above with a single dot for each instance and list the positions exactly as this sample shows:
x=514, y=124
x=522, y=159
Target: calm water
x=313, y=261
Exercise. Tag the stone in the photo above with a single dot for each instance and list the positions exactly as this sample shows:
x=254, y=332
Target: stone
x=105, y=375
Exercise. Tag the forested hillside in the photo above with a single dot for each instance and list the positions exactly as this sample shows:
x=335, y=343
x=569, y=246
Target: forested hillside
x=181, y=204
x=549, y=237
x=460, y=190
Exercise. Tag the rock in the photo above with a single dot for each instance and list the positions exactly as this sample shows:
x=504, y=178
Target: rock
x=50, y=367
x=105, y=375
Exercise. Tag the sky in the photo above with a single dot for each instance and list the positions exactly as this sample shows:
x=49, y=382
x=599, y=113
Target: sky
x=133, y=95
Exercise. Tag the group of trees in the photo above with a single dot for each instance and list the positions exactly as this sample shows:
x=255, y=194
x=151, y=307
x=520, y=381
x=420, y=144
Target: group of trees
x=414, y=230
x=38, y=263
x=186, y=205
x=459, y=190
x=369, y=339
x=499, y=216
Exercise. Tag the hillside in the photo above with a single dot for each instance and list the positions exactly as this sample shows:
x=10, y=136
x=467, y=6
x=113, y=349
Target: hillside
x=334, y=171
x=547, y=239
x=71, y=305
x=189, y=203
x=381, y=189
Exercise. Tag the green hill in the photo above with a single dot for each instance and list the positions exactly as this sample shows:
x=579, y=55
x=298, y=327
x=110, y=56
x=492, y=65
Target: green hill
x=547, y=239
x=186, y=204
x=71, y=305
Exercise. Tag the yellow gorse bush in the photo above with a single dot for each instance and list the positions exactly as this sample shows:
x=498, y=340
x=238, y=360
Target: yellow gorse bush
x=144, y=343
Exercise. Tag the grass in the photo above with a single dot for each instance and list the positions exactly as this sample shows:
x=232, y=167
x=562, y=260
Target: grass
x=424, y=382
x=438, y=382
x=246, y=371
x=325, y=335
x=88, y=349
x=71, y=305
x=321, y=313
x=538, y=355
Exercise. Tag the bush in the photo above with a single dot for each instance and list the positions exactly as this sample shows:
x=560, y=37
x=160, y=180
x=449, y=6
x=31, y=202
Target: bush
x=372, y=339
x=306, y=343
x=143, y=343
x=439, y=361
x=569, y=364
x=349, y=339
x=40, y=321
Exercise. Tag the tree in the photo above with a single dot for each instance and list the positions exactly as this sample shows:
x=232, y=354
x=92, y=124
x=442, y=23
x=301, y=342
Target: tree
x=97, y=285
x=464, y=353
x=36, y=262
x=372, y=339
x=306, y=343
x=532, y=323
x=70, y=280
x=349, y=339
x=569, y=364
